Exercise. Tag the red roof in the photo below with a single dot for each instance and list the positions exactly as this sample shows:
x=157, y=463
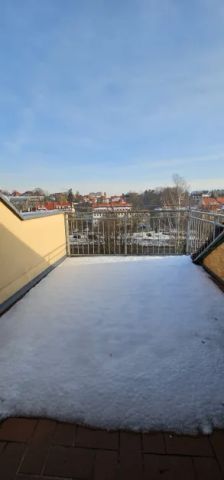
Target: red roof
x=209, y=201
x=55, y=205
x=220, y=200
x=16, y=194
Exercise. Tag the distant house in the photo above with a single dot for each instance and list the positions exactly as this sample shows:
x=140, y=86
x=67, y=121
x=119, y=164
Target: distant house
x=16, y=194
x=209, y=203
x=28, y=193
x=119, y=208
x=197, y=195
x=57, y=205
x=221, y=201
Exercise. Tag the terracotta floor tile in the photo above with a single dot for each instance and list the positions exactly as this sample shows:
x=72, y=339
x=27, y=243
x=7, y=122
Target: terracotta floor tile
x=70, y=462
x=186, y=445
x=207, y=469
x=10, y=460
x=153, y=443
x=87, y=437
x=106, y=465
x=17, y=429
x=64, y=434
x=217, y=441
x=130, y=441
x=167, y=467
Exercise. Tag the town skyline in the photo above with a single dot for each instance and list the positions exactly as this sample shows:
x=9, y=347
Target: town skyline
x=87, y=188
x=103, y=192
x=174, y=196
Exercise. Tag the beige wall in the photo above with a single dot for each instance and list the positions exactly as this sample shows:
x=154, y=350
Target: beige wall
x=27, y=248
x=215, y=262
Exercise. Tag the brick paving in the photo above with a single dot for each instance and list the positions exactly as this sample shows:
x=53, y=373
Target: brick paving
x=38, y=449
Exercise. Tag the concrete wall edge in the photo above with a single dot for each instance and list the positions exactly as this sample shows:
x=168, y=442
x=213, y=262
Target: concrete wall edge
x=14, y=210
x=7, y=304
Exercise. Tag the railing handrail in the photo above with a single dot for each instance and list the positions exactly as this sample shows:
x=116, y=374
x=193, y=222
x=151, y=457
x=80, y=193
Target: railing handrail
x=130, y=212
x=203, y=212
x=207, y=221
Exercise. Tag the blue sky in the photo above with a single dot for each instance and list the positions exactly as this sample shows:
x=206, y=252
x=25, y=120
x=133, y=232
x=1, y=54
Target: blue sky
x=111, y=95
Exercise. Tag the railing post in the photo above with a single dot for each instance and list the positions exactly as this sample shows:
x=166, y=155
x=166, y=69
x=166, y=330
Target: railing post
x=188, y=234
x=214, y=228
x=125, y=235
x=68, y=250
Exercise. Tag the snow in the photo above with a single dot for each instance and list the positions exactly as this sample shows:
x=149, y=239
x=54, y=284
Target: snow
x=117, y=342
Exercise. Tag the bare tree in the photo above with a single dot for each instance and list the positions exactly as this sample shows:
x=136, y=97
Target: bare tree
x=39, y=192
x=176, y=196
x=70, y=196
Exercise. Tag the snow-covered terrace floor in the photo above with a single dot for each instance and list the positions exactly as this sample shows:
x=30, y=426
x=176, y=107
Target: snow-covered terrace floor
x=113, y=342
x=121, y=343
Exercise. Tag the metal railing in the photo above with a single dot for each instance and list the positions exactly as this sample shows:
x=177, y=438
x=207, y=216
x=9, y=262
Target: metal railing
x=203, y=228
x=132, y=233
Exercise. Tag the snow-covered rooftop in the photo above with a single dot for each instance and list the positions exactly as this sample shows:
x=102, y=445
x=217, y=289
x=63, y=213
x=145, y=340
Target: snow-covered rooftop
x=135, y=342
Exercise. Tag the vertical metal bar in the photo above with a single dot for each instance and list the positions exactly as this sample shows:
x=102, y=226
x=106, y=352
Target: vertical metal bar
x=152, y=237
x=82, y=234
x=104, y=242
x=204, y=229
x=158, y=235
x=77, y=231
x=176, y=236
x=198, y=241
x=125, y=235
x=142, y=239
x=66, y=220
x=148, y=240
x=214, y=228
x=119, y=236
x=198, y=238
x=188, y=235
x=195, y=234
x=128, y=234
x=98, y=234
x=210, y=231
x=87, y=227
x=93, y=236
x=108, y=236
x=201, y=234
x=169, y=229
x=131, y=236
x=198, y=233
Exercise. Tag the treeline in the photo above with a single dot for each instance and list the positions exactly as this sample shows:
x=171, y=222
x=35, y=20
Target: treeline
x=176, y=195
x=146, y=200
x=217, y=193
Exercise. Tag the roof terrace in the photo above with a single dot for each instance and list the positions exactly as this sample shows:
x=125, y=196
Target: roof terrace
x=105, y=346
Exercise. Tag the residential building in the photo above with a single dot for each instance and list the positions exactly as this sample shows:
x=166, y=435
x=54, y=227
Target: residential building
x=119, y=208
